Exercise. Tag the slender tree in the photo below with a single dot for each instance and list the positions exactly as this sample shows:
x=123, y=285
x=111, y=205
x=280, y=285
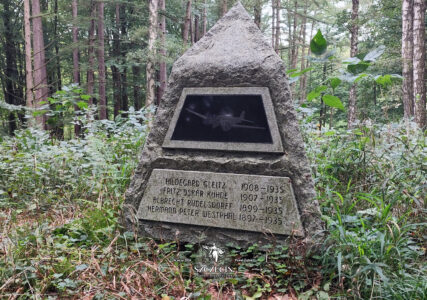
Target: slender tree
x=123, y=50
x=257, y=13
x=91, y=53
x=102, y=105
x=303, y=81
x=40, y=74
x=114, y=67
x=152, y=36
x=187, y=22
x=419, y=65
x=273, y=22
x=407, y=57
x=224, y=7
x=277, y=35
x=76, y=67
x=28, y=55
x=354, y=30
x=204, y=19
x=162, y=65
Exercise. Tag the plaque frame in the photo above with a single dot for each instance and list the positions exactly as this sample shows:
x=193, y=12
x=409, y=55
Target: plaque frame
x=275, y=147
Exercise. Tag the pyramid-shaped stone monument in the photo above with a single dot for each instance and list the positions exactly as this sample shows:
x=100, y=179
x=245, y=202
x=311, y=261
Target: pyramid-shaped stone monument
x=225, y=160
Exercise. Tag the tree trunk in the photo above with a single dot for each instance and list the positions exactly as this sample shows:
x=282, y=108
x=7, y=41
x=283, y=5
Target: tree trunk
x=290, y=39
x=407, y=57
x=295, y=38
x=205, y=19
x=40, y=75
x=76, y=68
x=11, y=72
x=58, y=58
x=123, y=75
x=277, y=36
x=273, y=22
x=224, y=7
x=28, y=55
x=352, y=101
x=419, y=62
x=137, y=99
x=257, y=13
x=162, y=71
x=114, y=68
x=196, y=28
x=102, y=105
x=302, y=87
x=152, y=35
x=187, y=22
x=91, y=54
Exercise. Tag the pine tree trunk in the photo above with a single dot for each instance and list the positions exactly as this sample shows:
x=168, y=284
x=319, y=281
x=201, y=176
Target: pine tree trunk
x=40, y=75
x=419, y=62
x=277, y=35
x=407, y=57
x=114, y=69
x=257, y=13
x=91, y=54
x=123, y=50
x=102, y=105
x=273, y=22
x=295, y=38
x=290, y=39
x=58, y=57
x=187, y=22
x=352, y=101
x=137, y=98
x=224, y=7
x=76, y=68
x=11, y=72
x=302, y=87
x=152, y=36
x=162, y=71
x=205, y=19
x=28, y=54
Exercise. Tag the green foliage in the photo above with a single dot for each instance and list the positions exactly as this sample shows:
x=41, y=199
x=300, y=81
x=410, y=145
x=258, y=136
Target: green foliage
x=318, y=44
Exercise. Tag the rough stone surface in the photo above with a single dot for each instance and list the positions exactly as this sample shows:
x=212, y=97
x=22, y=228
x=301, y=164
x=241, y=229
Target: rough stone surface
x=223, y=200
x=233, y=53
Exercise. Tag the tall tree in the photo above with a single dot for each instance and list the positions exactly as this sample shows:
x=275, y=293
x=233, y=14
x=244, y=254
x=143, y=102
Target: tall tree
x=91, y=53
x=277, y=35
x=152, y=36
x=12, y=92
x=114, y=67
x=294, y=56
x=354, y=30
x=204, y=19
x=187, y=22
x=76, y=67
x=28, y=55
x=123, y=75
x=102, y=105
x=224, y=7
x=303, y=81
x=273, y=22
x=40, y=74
x=419, y=62
x=407, y=57
x=162, y=71
x=257, y=13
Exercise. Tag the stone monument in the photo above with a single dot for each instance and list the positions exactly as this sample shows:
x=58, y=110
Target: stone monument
x=225, y=161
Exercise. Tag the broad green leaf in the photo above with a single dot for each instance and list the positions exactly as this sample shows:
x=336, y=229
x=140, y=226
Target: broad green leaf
x=358, y=68
x=383, y=80
x=333, y=101
x=335, y=82
x=82, y=104
x=374, y=54
x=291, y=71
x=316, y=92
x=85, y=97
x=318, y=44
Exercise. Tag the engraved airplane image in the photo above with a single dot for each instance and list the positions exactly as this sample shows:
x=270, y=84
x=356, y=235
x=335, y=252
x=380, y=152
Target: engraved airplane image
x=226, y=122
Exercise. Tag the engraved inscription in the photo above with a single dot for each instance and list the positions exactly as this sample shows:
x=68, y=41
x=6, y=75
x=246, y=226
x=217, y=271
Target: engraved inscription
x=234, y=201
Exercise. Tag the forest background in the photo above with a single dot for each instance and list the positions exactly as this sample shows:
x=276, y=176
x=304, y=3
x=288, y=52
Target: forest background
x=79, y=79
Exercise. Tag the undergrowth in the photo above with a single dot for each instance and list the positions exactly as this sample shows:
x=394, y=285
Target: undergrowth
x=60, y=235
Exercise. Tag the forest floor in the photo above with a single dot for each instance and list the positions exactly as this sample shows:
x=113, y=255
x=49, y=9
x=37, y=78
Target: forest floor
x=61, y=238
